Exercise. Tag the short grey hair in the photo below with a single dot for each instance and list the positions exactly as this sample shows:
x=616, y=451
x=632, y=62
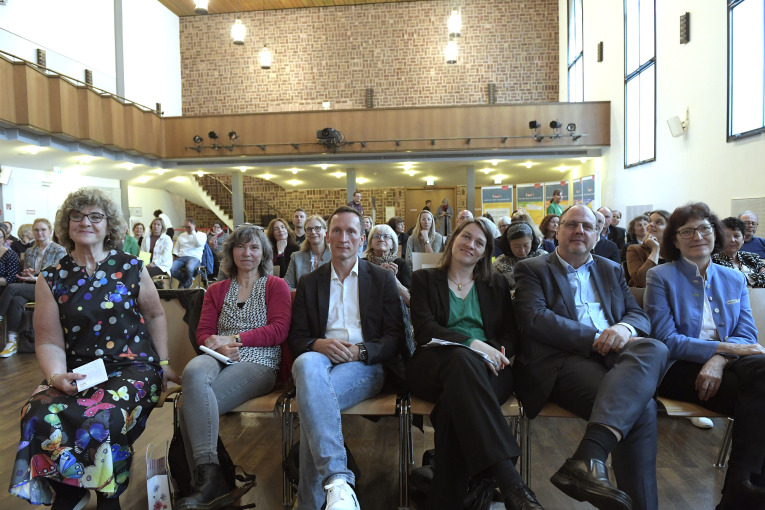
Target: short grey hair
x=381, y=229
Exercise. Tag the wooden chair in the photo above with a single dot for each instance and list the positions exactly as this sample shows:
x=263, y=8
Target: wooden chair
x=550, y=410
x=424, y=260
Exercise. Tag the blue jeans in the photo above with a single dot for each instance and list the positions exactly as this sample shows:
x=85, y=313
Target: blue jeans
x=183, y=270
x=323, y=390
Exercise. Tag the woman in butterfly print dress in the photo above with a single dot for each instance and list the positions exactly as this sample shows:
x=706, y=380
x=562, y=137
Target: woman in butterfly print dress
x=96, y=303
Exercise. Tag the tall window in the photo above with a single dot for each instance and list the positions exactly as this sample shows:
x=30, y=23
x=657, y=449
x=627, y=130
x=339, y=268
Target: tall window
x=575, y=52
x=639, y=82
x=746, y=68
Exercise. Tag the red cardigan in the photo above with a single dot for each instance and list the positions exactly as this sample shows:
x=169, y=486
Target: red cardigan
x=278, y=316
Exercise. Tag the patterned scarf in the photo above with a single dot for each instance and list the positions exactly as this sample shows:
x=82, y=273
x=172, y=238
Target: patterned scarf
x=390, y=258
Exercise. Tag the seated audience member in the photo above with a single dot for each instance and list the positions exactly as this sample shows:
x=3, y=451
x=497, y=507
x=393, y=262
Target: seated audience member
x=443, y=219
x=729, y=255
x=25, y=241
x=549, y=228
x=9, y=237
x=645, y=256
x=613, y=233
x=604, y=247
x=701, y=312
x=339, y=345
x=130, y=244
x=313, y=253
x=492, y=225
x=138, y=232
x=752, y=243
x=524, y=217
x=424, y=238
x=616, y=218
x=160, y=246
x=381, y=251
x=187, y=253
x=582, y=347
x=247, y=319
x=462, y=217
x=636, y=232
x=399, y=227
x=367, y=229
x=555, y=207
x=298, y=225
x=74, y=442
x=215, y=239
x=502, y=223
x=283, y=244
x=6, y=235
x=517, y=244
x=42, y=254
x=9, y=264
x=168, y=225
x=464, y=302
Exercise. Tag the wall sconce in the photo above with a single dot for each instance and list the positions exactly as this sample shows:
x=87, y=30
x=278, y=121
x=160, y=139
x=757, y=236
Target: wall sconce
x=678, y=127
x=238, y=31
x=451, y=52
x=200, y=6
x=265, y=58
x=454, y=23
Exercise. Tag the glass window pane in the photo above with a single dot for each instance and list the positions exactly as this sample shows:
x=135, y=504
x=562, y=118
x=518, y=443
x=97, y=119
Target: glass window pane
x=747, y=50
x=632, y=122
x=647, y=113
x=574, y=29
x=647, y=28
x=632, y=43
x=580, y=80
x=579, y=26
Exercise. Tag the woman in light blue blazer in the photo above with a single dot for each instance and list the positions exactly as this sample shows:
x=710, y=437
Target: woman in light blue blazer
x=313, y=253
x=701, y=312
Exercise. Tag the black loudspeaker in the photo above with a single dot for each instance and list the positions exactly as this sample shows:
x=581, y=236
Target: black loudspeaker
x=685, y=28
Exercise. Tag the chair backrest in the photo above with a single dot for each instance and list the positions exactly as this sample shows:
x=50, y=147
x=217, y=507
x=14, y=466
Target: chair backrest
x=424, y=260
x=637, y=293
x=179, y=345
x=757, y=301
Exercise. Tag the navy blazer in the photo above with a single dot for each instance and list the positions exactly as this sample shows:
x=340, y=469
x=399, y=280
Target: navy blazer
x=607, y=249
x=382, y=322
x=550, y=331
x=430, y=310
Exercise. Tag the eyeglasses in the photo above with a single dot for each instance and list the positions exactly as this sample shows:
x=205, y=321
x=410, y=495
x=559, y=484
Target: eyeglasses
x=94, y=217
x=386, y=237
x=573, y=225
x=751, y=223
x=688, y=233
x=314, y=229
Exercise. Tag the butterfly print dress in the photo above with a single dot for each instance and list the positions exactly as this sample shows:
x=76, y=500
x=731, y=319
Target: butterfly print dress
x=84, y=440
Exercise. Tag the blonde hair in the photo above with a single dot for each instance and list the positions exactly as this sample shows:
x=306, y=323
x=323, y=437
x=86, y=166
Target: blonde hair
x=418, y=227
x=305, y=245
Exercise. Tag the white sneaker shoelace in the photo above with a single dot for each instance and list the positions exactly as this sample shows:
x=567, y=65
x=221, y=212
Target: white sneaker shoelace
x=340, y=496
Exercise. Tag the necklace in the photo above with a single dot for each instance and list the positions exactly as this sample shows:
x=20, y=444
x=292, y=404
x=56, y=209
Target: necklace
x=459, y=285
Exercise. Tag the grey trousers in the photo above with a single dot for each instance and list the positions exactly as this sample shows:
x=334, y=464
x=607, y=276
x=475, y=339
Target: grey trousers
x=211, y=388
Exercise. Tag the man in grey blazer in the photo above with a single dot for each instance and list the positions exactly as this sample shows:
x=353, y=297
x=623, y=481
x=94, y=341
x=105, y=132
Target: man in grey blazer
x=582, y=347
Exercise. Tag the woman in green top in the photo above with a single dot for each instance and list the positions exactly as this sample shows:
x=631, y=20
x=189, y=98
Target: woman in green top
x=555, y=207
x=467, y=305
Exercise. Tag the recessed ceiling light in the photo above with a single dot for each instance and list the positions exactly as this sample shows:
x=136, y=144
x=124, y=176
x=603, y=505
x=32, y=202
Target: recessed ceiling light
x=411, y=173
x=487, y=171
x=362, y=180
x=200, y=173
x=338, y=174
x=583, y=160
x=143, y=179
x=160, y=171
x=128, y=166
x=324, y=167
x=494, y=162
x=294, y=170
x=31, y=149
x=243, y=168
x=266, y=176
x=180, y=178
x=294, y=182
x=85, y=160
x=528, y=164
x=562, y=168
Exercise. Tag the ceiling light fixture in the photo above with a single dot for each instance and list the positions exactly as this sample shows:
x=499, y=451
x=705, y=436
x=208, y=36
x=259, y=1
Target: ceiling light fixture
x=498, y=179
x=410, y=172
x=267, y=176
x=454, y=24
x=430, y=181
x=294, y=182
x=323, y=167
x=528, y=164
x=85, y=160
x=362, y=180
x=238, y=31
x=160, y=171
x=200, y=173
x=30, y=149
x=200, y=6
x=338, y=174
x=243, y=169
x=265, y=58
x=451, y=52
x=128, y=166
x=144, y=179
x=494, y=162
x=487, y=171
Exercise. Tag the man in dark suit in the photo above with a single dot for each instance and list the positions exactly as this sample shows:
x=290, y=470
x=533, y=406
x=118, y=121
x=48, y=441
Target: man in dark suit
x=581, y=347
x=346, y=321
x=616, y=234
x=605, y=247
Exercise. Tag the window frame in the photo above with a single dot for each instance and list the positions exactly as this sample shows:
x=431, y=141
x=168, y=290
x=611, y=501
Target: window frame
x=650, y=63
x=579, y=59
x=729, y=135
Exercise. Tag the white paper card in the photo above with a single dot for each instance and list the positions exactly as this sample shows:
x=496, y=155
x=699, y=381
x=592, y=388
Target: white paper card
x=96, y=374
x=215, y=354
x=437, y=342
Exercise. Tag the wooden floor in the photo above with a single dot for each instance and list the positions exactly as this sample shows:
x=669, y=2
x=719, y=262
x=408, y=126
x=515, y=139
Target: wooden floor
x=687, y=478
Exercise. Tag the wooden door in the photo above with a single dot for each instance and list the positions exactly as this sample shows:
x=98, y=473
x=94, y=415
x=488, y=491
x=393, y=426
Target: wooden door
x=415, y=202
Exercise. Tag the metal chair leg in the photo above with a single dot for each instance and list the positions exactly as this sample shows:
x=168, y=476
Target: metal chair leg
x=525, y=432
x=722, y=456
x=404, y=448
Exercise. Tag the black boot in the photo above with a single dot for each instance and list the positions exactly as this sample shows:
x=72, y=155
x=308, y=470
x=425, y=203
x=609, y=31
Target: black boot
x=211, y=490
x=69, y=497
x=104, y=503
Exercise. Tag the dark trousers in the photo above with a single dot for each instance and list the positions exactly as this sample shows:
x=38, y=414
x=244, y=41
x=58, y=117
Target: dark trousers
x=741, y=396
x=471, y=435
x=617, y=390
x=12, y=303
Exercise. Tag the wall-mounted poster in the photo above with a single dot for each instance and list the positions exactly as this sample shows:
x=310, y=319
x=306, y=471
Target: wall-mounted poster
x=531, y=198
x=497, y=200
x=577, y=185
x=588, y=190
x=550, y=188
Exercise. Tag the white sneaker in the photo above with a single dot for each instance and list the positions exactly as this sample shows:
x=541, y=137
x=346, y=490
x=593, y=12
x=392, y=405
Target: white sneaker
x=340, y=496
x=702, y=423
x=10, y=349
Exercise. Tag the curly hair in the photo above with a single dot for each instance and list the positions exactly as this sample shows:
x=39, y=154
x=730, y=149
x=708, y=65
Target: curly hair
x=733, y=223
x=681, y=216
x=85, y=197
x=291, y=240
x=382, y=228
x=482, y=270
x=242, y=235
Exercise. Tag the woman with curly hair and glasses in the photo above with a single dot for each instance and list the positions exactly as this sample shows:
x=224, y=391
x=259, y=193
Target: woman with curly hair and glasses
x=96, y=305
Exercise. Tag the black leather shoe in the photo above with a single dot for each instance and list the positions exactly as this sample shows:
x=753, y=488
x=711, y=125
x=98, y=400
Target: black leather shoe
x=746, y=496
x=520, y=497
x=587, y=480
x=211, y=490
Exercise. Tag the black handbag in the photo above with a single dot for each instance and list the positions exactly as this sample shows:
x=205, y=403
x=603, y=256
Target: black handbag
x=181, y=482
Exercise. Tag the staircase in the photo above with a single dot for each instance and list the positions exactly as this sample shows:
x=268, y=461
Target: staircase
x=217, y=193
x=226, y=216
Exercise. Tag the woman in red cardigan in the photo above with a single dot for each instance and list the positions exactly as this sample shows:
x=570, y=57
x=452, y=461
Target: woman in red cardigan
x=247, y=319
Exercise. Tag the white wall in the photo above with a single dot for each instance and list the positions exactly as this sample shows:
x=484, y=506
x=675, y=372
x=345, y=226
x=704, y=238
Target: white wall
x=152, y=55
x=38, y=194
x=698, y=166
x=76, y=36
x=149, y=200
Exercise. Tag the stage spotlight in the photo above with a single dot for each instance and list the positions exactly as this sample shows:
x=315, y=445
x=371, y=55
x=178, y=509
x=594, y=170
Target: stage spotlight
x=554, y=124
x=232, y=135
x=534, y=125
x=212, y=135
x=571, y=127
x=197, y=139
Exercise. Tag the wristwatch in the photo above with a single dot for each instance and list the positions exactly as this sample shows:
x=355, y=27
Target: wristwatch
x=363, y=353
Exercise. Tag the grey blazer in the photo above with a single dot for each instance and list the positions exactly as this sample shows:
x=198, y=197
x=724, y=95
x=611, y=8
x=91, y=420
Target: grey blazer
x=300, y=265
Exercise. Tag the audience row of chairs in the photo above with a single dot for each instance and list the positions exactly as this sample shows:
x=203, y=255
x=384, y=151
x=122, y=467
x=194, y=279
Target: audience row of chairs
x=404, y=407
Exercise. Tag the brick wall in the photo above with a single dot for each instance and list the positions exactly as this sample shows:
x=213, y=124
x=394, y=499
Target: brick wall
x=335, y=53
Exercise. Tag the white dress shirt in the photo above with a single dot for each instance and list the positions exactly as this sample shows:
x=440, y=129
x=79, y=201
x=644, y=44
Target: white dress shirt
x=344, y=317
x=190, y=245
